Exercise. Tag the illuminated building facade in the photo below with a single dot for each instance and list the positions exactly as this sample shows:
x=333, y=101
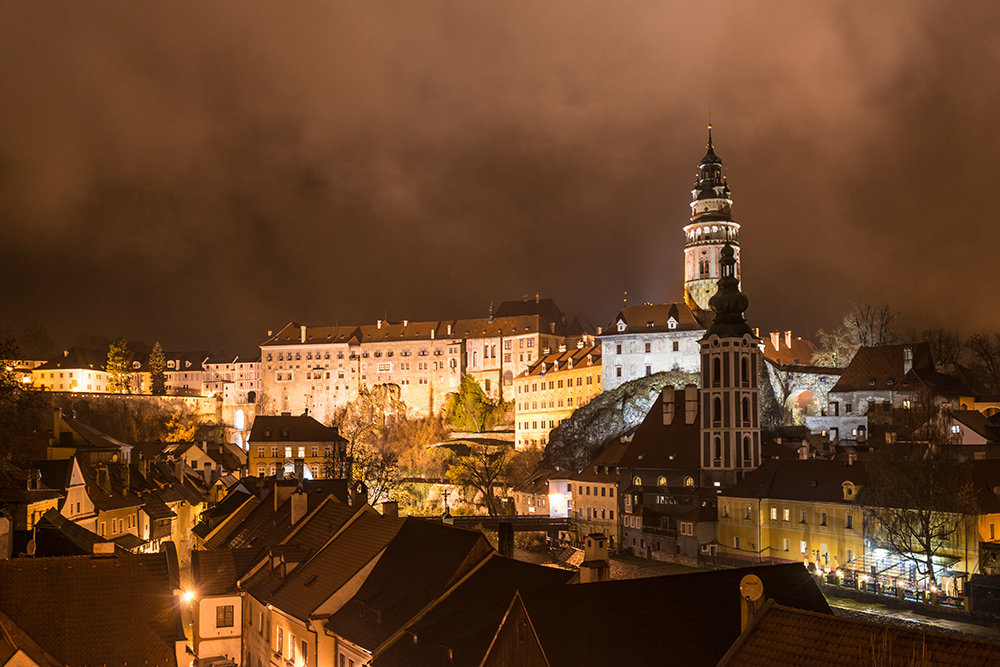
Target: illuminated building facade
x=648, y=339
x=551, y=389
x=711, y=227
x=730, y=415
x=278, y=443
x=317, y=370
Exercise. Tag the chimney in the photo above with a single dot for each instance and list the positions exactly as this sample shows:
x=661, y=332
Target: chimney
x=378, y=325
x=449, y=329
x=907, y=359
x=579, y=344
x=299, y=466
x=552, y=327
x=432, y=333
x=126, y=477
x=537, y=297
x=406, y=322
x=562, y=347
x=669, y=407
x=34, y=479
x=775, y=339
x=282, y=491
x=303, y=333
x=103, y=481
x=104, y=549
x=179, y=468
x=595, y=566
x=359, y=494
x=390, y=508
x=270, y=333
x=300, y=505
x=804, y=450
x=65, y=353
x=690, y=403
x=505, y=539
x=788, y=339
x=600, y=330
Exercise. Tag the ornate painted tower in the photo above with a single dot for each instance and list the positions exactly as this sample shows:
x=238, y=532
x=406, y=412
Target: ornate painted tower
x=711, y=227
x=730, y=410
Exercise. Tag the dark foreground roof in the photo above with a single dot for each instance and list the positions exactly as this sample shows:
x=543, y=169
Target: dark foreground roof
x=682, y=619
x=465, y=621
x=783, y=636
x=116, y=611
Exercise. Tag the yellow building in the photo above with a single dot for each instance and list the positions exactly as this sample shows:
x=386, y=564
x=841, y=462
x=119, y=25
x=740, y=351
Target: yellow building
x=277, y=442
x=794, y=510
x=551, y=389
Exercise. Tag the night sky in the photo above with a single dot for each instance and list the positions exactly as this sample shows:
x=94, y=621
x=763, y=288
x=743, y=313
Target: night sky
x=198, y=173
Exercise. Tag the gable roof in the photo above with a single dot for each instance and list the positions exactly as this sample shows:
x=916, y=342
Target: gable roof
x=872, y=368
x=288, y=428
x=465, y=620
x=423, y=560
x=654, y=318
x=781, y=635
x=76, y=358
x=78, y=607
x=215, y=572
x=604, y=467
x=657, y=446
x=799, y=353
x=681, y=619
x=815, y=480
x=333, y=564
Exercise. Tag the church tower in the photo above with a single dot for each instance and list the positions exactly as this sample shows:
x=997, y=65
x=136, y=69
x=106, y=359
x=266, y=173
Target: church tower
x=711, y=228
x=730, y=410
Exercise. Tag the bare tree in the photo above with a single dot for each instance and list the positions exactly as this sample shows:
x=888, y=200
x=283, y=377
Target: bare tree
x=918, y=495
x=985, y=349
x=871, y=325
x=946, y=346
x=483, y=470
x=836, y=348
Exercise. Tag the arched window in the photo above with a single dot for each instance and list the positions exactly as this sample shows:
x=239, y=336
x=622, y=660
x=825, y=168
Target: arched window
x=716, y=371
x=744, y=372
x=661, y=481
x=746, y=409
x=717, y=410
x=689, y=481
x=717, y=452
x=636, y=481
x=747, y=454
x=251, y=397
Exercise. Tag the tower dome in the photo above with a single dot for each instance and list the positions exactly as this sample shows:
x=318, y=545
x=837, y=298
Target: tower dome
x=711, y=227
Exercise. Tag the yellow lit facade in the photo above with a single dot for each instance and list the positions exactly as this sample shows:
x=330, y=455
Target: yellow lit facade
x=551, y=389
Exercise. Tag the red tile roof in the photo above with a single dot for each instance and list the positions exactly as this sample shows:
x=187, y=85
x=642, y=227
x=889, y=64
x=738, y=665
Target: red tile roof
x=784, y=636
x=115, y=611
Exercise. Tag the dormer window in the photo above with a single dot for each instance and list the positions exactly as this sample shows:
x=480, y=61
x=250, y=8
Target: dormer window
x=649, y=324
x=170, y=364
x=671, y=323
x=136, y=365
x=889, y=382
x=621, y=325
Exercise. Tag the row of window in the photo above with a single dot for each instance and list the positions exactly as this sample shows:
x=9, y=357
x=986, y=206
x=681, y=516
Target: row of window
x=288, y=451
x=647, y=346
x=553, y=403
x=554, y=384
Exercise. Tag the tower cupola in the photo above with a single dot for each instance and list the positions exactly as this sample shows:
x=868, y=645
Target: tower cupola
x=729, y=303
x=711, y=227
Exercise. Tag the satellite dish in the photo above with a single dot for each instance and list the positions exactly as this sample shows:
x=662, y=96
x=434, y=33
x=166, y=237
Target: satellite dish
x=31, y=547
x=751, y=588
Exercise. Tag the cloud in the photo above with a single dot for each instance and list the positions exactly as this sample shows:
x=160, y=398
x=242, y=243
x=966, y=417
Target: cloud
x=200, y=173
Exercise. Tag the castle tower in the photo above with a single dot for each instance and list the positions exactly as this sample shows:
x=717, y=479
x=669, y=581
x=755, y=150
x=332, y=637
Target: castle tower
x=711, y=227
x=730, y=414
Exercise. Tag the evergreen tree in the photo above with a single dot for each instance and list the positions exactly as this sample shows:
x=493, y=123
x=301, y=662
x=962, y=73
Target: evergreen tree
x=119, y=367
x=157, y=371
